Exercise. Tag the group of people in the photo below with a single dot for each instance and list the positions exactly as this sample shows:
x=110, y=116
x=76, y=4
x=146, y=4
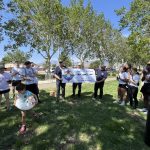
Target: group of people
x=24, y=80
x=129, y=79
x=101, y=75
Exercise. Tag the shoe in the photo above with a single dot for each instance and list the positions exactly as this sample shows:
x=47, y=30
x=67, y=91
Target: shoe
x=145, y=112
x=93, y=98
x=22, y=129
x=122, y=104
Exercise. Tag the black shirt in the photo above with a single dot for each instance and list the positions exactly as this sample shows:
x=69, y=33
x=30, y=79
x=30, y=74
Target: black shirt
x=58, y=72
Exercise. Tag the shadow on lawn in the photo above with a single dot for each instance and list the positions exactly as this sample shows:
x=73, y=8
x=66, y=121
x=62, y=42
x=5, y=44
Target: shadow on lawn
x=80, y=125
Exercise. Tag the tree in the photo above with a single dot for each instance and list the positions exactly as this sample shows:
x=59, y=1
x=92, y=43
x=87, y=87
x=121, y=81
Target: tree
x=16, y=55
x=1, y=7
x=95, y=64
x=64, y=57
x=137, y=20
x=37, y=24
x=80, y=24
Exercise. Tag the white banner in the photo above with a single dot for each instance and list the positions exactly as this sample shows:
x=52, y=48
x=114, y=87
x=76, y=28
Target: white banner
x=78, y=75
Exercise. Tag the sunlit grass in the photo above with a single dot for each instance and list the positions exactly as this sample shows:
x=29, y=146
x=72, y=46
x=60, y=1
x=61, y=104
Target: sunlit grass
x=75, y=124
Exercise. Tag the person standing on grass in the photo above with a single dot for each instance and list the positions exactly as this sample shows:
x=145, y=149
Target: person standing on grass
x=28, y=75
x=16, y=78
x=100, y=80
x=146, y=87
x=59, y=84
x=146, y=94
x=75, y=85
x=22, y=95
x=122, y=87
x=133, y=88
x=5, y=80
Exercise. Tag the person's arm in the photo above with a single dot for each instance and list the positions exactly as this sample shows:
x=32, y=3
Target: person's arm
x=135, y=81
x=55, y=74
x=57, y=77
x=14, y=73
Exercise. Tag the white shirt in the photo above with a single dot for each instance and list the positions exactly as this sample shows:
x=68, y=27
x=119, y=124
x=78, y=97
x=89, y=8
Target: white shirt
x=36, y=71
x=3, y=81
x=14, y=71
x=135, y=78
x=30, y=74
x=123, y=75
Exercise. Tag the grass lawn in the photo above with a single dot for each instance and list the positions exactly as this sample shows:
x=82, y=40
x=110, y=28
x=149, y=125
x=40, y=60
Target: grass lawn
x=75, y=124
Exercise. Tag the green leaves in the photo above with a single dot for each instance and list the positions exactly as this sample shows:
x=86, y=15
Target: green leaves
x=16, y=55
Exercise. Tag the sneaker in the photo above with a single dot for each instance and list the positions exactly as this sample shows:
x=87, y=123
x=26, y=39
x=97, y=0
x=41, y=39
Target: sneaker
x=22, y=129
x=93, y=98
x=122, y=104
x=117, y=102
x=145, y=112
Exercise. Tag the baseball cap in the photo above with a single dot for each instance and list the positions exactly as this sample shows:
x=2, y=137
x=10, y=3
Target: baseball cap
x=27, y=63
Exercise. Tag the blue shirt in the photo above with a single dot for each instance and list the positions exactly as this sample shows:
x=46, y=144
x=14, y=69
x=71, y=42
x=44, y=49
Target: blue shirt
x=101, y=74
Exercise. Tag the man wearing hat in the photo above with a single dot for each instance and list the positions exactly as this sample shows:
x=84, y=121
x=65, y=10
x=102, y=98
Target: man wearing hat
x=5, y=80
x=59, y=84
x=74, y=85
x=29, y=75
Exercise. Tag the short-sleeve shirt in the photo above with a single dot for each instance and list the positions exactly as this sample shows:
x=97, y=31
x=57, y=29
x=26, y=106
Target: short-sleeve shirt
x=4, y=78
x=101, y=74
x=29, y=73
x=58, y=72
x=136, y=79
x=17, y=76
x=123, y=75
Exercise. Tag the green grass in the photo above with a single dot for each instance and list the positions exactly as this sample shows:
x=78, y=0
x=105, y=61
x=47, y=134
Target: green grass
x=75, y=124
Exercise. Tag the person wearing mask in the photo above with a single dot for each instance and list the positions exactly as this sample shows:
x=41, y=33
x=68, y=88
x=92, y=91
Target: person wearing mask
x=100, y=80
x=16, y=78
x=5, y=80
x=75, y=85
x=59, y=84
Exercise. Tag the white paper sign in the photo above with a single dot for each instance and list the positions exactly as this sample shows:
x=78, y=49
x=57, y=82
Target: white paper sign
x=78, y=75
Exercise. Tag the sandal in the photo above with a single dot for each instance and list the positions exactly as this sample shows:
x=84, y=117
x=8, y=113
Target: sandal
x=22, y=129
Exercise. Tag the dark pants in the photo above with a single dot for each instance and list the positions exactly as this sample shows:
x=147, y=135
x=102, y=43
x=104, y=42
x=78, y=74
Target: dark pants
x=133, y=91
x=147, y=131
x=74, y=86
x=34, y=89
x=98, y=86
x=62, y=86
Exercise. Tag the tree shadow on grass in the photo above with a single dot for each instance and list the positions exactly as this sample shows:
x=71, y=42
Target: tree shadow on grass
x=86, y=125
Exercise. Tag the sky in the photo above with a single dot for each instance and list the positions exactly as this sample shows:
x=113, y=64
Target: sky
x=105, y=6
